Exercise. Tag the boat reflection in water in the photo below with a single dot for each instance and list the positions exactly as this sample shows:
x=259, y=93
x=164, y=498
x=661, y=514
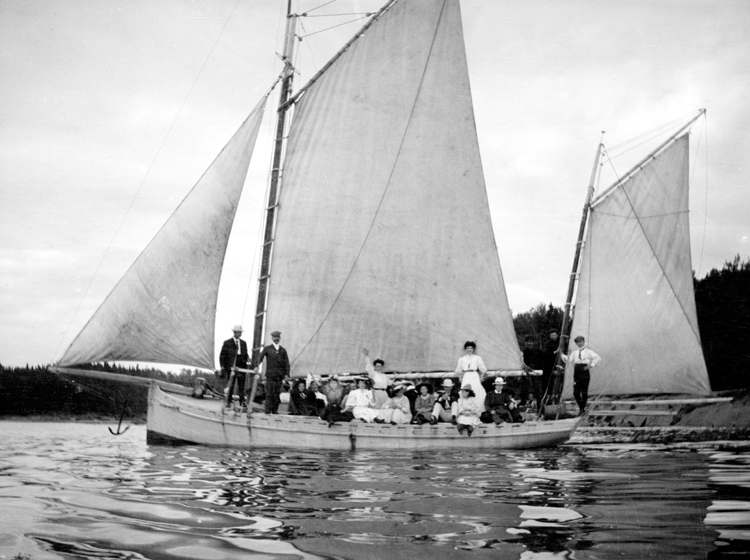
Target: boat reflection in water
x=78, y=492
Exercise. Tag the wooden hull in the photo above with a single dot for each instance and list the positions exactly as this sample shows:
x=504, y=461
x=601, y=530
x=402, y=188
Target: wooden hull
x=178, y=418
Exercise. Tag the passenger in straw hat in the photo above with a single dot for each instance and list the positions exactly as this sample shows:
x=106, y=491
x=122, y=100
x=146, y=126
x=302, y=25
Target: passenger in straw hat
x=397, y=409
x=446, y=404
x=234, y=355
x=500, y=406
x=468, y=411
x=424, y=403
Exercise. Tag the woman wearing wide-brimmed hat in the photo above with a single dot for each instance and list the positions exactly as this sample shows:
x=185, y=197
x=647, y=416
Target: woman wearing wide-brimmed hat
x=424, y=403
x=468, y=411
x=397, y=409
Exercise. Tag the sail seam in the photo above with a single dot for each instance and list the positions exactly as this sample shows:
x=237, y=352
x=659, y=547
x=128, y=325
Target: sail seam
x=385, y=190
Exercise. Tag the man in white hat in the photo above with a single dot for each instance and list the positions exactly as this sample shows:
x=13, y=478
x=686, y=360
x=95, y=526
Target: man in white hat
x=234, y=355
x=500, y=406
x=446, y=406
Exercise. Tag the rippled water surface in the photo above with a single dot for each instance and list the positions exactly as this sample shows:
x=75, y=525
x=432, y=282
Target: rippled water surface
x=72, y=490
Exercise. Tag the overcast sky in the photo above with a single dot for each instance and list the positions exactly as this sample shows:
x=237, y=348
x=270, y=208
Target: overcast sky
x=110, y=111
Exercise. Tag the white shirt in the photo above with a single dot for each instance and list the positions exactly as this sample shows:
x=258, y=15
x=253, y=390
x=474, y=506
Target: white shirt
x=583, y=356
x=379, y=379
x=471, y=362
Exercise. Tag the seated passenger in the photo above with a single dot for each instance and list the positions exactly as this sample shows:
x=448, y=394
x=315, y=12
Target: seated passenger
x=446, y=405
x=302, y=400
x=424, y=403
x=500, y=406
x=335, y=395
x=396, y=410
x=361, y=402
x=468, y=411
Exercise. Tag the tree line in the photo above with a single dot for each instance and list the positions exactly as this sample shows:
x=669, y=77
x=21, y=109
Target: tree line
x=722, y=300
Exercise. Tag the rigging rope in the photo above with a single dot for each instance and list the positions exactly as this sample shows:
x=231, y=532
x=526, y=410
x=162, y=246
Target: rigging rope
x=335, y=26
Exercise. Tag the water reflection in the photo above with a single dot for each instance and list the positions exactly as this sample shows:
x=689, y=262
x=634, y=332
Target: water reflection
x=77, y=492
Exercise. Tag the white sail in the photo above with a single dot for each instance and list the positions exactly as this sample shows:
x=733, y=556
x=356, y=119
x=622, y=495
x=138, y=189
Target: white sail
x=635, y=304
x=163, y=309
x=384, y=237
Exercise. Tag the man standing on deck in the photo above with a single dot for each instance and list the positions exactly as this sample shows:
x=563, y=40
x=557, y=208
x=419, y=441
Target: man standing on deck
x=234, y=355
x=583, y=360
x=277, y=369
x=380, y=380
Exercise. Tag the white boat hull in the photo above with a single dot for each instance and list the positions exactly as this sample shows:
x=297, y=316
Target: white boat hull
x=179, y=418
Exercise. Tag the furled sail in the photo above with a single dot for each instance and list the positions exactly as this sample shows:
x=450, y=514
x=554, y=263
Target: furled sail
x=384, y=237
x=635, y=304
x=163, y=309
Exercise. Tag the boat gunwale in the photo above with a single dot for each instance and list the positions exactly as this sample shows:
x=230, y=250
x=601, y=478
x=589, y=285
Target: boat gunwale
x=288, y=423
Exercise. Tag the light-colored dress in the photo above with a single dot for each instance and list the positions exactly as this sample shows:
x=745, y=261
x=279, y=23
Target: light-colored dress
x=468, y=412
x=468, y=369
x=362, y=401
x=396, y=409
x=380, y=382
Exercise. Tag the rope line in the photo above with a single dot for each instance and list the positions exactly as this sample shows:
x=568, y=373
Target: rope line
x=334, y=26
x=321, y=6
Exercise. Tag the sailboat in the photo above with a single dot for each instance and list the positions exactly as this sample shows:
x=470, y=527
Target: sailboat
x=633, y=285
x=377, y=234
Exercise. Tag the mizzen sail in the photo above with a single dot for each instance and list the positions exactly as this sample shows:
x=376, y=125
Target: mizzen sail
x=635, y=304
x=384, y=237
x=163, y=309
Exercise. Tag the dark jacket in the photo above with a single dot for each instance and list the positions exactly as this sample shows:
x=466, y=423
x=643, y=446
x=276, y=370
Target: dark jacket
x=229, y=356
x=277, y=363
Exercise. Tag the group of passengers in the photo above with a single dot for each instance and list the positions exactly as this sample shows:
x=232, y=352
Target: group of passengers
x=380, y=400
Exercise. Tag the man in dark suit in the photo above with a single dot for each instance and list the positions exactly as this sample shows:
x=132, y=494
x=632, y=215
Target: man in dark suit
x=277, y=369
x=234, y=355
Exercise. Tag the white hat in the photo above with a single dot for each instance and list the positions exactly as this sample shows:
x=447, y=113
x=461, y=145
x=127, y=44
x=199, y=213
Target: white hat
x=237, y=328
x=499, y=381
x=447, y=383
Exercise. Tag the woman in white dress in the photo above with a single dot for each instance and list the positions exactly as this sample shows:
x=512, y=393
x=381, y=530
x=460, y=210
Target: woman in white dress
x=397, y=409
x=471, y=370
x=361, y=401
x=468, y=411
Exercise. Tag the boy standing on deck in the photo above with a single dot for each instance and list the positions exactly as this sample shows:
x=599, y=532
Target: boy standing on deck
x=583, y=359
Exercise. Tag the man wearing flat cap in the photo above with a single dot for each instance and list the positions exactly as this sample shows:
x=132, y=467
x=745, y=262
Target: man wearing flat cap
x=277, y=369
x=234, y=355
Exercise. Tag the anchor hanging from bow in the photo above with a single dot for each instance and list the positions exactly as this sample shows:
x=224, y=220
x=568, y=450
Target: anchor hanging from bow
x=119, y=424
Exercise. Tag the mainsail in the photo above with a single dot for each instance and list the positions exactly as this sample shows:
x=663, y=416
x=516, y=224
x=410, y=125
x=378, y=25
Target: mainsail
x=383, y=236
x=635, y=304
x=163, y=309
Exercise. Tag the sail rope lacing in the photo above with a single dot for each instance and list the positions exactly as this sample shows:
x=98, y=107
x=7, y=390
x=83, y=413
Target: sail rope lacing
x=385, y=190
x=145, y=177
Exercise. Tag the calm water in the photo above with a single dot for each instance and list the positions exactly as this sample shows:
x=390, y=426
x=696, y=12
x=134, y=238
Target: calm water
x=74, y=491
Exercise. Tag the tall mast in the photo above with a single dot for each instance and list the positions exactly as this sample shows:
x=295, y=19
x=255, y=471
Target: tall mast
x=265, y=265
x=579, y=246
